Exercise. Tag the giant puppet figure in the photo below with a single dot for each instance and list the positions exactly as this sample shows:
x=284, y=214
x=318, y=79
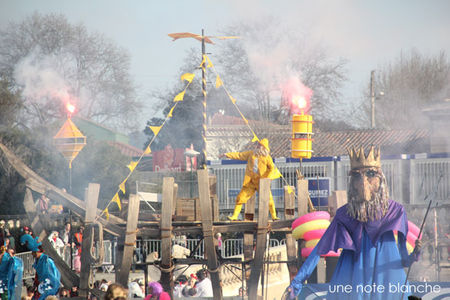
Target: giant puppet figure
x=47, y=280
x=259, y=165
x=371, y=262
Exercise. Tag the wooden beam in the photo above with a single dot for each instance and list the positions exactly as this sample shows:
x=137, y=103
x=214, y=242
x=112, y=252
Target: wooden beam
x=68, y=277
x=126, y=259
x=261, y=238
x=42, y=186
x=151, y=229
x=336, y=200
x=214, y=198
x=289, y=202
x=249, y=211
x=175, y=196
x=289, y=213
x=166, y=235
x=302, y=207
x=302, y=197
x=249, y=235
x=207, y=225
x=77, y=207
x=91, y=201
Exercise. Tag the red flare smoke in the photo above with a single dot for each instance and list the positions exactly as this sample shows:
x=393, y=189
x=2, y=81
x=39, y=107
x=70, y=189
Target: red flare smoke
x=296, y=96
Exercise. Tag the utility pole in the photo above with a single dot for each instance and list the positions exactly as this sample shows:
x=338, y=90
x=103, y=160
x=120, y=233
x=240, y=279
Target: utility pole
x=372, y=98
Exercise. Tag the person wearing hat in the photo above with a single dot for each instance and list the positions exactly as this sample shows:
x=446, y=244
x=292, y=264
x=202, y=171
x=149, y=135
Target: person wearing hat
x=47, y=280
x=259, y=165
x=6, y=265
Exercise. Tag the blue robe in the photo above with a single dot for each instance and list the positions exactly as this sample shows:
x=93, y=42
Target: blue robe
x=48, y=276
x=6, y=265
x=16, y=276
x=371, y=263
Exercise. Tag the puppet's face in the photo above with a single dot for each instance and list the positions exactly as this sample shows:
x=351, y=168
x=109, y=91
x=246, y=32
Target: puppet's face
x=367, y=194
x=366, y=183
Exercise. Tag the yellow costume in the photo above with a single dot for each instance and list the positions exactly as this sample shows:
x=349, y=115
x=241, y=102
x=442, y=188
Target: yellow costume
x=257, y=167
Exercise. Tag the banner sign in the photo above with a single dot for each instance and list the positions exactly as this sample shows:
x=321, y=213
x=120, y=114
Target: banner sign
x=319, y=190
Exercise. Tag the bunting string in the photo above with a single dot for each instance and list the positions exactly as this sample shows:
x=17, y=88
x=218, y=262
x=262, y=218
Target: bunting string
x=155, y=129
x=219, y=83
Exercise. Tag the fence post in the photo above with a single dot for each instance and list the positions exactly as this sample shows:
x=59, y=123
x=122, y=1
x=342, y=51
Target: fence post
x=289, y=212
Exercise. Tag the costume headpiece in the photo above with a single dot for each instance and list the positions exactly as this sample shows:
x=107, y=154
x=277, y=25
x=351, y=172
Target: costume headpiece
x=264, y=143
x=30, y=242
x=359, y=160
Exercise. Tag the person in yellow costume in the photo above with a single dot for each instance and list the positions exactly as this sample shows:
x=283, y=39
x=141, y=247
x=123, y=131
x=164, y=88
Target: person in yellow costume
x=259, y=165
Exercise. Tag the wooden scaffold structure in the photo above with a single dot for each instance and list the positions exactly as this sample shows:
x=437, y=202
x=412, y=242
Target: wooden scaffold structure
x=127, y=231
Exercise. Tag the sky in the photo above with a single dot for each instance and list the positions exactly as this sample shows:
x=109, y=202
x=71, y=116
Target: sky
x=368, y=34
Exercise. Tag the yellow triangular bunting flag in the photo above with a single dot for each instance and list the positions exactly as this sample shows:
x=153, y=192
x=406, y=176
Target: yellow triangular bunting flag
x=106, y=212
x=290, y=190
x=171, y=111
x=232, y=99
x=179, y=97
x=148, y=150
x=155, y=129
x=255, y=138
x=122, y=186
x=275, y=174
x=187, y=77
x=245, y=120
x=219, y=82
x=117, y=200
x=132, y=165
x=209, y=62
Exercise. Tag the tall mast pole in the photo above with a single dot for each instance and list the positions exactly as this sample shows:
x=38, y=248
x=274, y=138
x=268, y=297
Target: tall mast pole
x=203, y=155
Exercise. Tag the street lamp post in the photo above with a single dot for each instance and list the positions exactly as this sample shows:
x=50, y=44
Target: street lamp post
x=373, y=97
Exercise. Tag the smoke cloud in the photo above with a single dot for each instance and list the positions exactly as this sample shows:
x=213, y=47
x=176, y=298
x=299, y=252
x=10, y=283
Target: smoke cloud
x=41, y=78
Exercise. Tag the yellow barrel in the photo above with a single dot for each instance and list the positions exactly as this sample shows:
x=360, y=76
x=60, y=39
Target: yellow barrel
x=302, y=124
x=301, y=142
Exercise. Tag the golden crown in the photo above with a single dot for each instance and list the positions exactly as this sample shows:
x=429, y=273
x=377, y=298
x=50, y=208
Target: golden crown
x=359, y=160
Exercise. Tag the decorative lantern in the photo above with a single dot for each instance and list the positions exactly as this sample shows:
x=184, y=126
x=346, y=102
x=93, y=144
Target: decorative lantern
x=301, y=142
x=69, y=141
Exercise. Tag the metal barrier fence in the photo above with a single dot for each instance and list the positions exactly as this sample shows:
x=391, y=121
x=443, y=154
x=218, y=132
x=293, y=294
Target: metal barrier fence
x=28, y=260
x=149, y=246
x=235, y=247
x=230, y=247
x=430, y=177
x=410, y=178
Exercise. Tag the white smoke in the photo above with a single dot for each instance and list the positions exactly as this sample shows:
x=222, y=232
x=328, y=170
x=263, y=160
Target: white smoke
x=41, y=78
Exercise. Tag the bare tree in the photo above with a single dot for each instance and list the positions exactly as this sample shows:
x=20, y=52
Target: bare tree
x=268, y=55
x=410, y=83
x=54, y=62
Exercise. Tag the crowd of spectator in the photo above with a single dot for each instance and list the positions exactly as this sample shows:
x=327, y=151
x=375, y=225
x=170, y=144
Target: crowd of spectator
x=67, y=245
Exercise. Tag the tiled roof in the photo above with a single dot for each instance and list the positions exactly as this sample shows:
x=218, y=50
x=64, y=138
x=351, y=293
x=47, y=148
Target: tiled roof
x=335, y=143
